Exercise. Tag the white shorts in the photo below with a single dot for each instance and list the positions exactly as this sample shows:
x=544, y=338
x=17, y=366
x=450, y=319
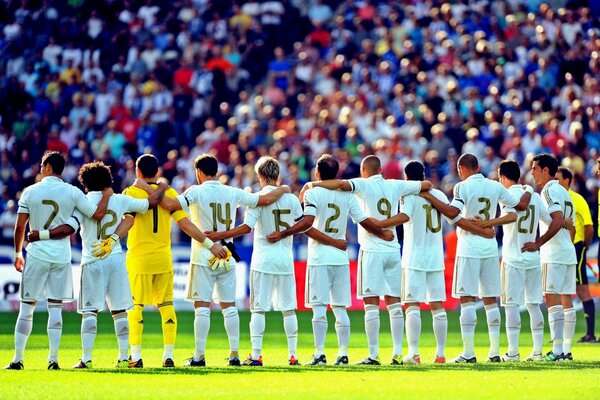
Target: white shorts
x=423, y=286
x=558, y=278
x=207, y=285
x=43, y=280
x=327, y=284
x=105, y=280
x=379, y=274
x=520, y=286
x=272, y=291
x=476, y=277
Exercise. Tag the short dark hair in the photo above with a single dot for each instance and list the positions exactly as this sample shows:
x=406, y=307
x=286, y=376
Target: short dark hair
x=414, y=170
x=95, y=176
x=148, y=165
x=207, y=164
x=56, y=161
x=546, y=160
x=327, y=166
x=510, y=169
x=469, y=161
x=566, y=174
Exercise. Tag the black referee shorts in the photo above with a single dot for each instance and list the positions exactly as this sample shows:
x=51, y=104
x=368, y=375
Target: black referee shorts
x=581, y=278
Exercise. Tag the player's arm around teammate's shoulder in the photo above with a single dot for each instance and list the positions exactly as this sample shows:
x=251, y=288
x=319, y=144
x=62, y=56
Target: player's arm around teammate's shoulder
x=272, y=196
x=102, y=205
x=447, y=210
x=322, y=238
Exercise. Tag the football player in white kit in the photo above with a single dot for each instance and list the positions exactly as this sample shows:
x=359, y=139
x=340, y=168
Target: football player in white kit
x=212, y=207
x=521, y=275
x=47, y=274
x=106, y=278
x=558, y=257
x=272, y=282
x=423, y=263
x=477, y=271
x=328, y=273
x=379, y=264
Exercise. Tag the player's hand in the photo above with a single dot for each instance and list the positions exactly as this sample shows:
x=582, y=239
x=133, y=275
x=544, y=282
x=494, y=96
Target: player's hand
x=286, y=188
x=217, y=261
x=274, y=237
x=33, y=236
x=212, y=235
x=530, y=246
x=142, y=184
x=388, y=236
x=489, y=232
x=567, y=223
x=19, y=264
x=219, y=251
x=340, y=244
x=103, y=248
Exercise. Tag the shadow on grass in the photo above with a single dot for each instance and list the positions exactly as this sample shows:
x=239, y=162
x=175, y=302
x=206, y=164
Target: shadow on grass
x=350, y=369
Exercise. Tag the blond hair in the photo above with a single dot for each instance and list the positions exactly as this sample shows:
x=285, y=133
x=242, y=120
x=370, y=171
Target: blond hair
x=267, y=168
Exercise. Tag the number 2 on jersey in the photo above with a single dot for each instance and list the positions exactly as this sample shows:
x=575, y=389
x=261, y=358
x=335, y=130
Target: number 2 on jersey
x=333, y=218
x=529, y=214
x=278, y=222
x=53, y=214
x=101, y=229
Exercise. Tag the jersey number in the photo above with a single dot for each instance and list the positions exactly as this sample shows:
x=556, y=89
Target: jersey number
x=485, y=211
x=54, y=206
x=568, y=206
x=278, y=222
x=384, y=207
x=529, y=213
x=101, y=229
x=429, y=219
x=334, y=217
x=217, y=215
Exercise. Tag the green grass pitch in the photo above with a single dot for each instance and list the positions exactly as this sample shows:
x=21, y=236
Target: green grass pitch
x=580, y=379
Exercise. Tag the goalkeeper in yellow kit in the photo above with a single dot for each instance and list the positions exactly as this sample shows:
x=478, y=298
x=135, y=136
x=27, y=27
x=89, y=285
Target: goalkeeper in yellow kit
x=149, y=261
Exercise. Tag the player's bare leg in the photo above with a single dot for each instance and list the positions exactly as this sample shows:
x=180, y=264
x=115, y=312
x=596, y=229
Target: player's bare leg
x=492, y=313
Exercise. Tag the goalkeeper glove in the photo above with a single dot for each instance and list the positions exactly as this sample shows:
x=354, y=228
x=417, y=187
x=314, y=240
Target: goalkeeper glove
x=214, y=262
x=103, y=249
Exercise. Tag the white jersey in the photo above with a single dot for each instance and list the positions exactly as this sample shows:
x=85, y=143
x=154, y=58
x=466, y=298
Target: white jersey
x=212, y=208
x=331, y=209
x=559, y=249
x=379, y=198
x=273, y=258
x=94, y=231
x=478, y=196
x=523, y=230
x=423, y=248
x=50, y=203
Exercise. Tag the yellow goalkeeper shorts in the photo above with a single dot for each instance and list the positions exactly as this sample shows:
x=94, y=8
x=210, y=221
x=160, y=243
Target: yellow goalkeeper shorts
x=152, y=289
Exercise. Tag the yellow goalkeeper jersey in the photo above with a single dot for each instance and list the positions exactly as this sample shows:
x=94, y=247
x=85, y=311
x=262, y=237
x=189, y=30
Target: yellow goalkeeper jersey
x=583, y=216
x=149, y=240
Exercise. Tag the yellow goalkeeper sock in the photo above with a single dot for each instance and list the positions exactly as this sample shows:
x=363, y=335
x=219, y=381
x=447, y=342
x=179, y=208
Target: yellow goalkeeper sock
x=136, y=325
x=169, y=323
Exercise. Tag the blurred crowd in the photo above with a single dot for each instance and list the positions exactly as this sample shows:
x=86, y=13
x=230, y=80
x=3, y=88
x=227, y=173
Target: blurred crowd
x=426, y=80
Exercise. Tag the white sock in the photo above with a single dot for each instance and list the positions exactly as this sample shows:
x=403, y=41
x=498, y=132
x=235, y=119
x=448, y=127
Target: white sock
x=257, y=330
x=372, y=329
x=122, y=331
x=536, y=320
x=319, y=324
x=397, y=327
x=231, y=319
x=201, y=328
x=513, y=328
x=440, y=330
x=492, y=313
x=556, y=320
x=342, y=328
x=168, y=350
x=468, y=321
x=569, y=330
x=89, y=328
x=23, y=330
x=413, y=329
x=136, y=352
x=55, y=325
x=290, y=325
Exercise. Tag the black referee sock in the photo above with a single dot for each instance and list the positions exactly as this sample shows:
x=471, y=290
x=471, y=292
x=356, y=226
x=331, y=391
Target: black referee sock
x=589, y=310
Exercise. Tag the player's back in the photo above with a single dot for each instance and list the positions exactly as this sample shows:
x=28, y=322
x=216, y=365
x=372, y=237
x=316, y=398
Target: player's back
x=331, y=209
x=423, y=239
x=51, y=203
x=274, y=258
x=379, y=198
x=149, y=240
x=479, y=197
x=93, y=231
x=523, y=230
x=559, y=249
